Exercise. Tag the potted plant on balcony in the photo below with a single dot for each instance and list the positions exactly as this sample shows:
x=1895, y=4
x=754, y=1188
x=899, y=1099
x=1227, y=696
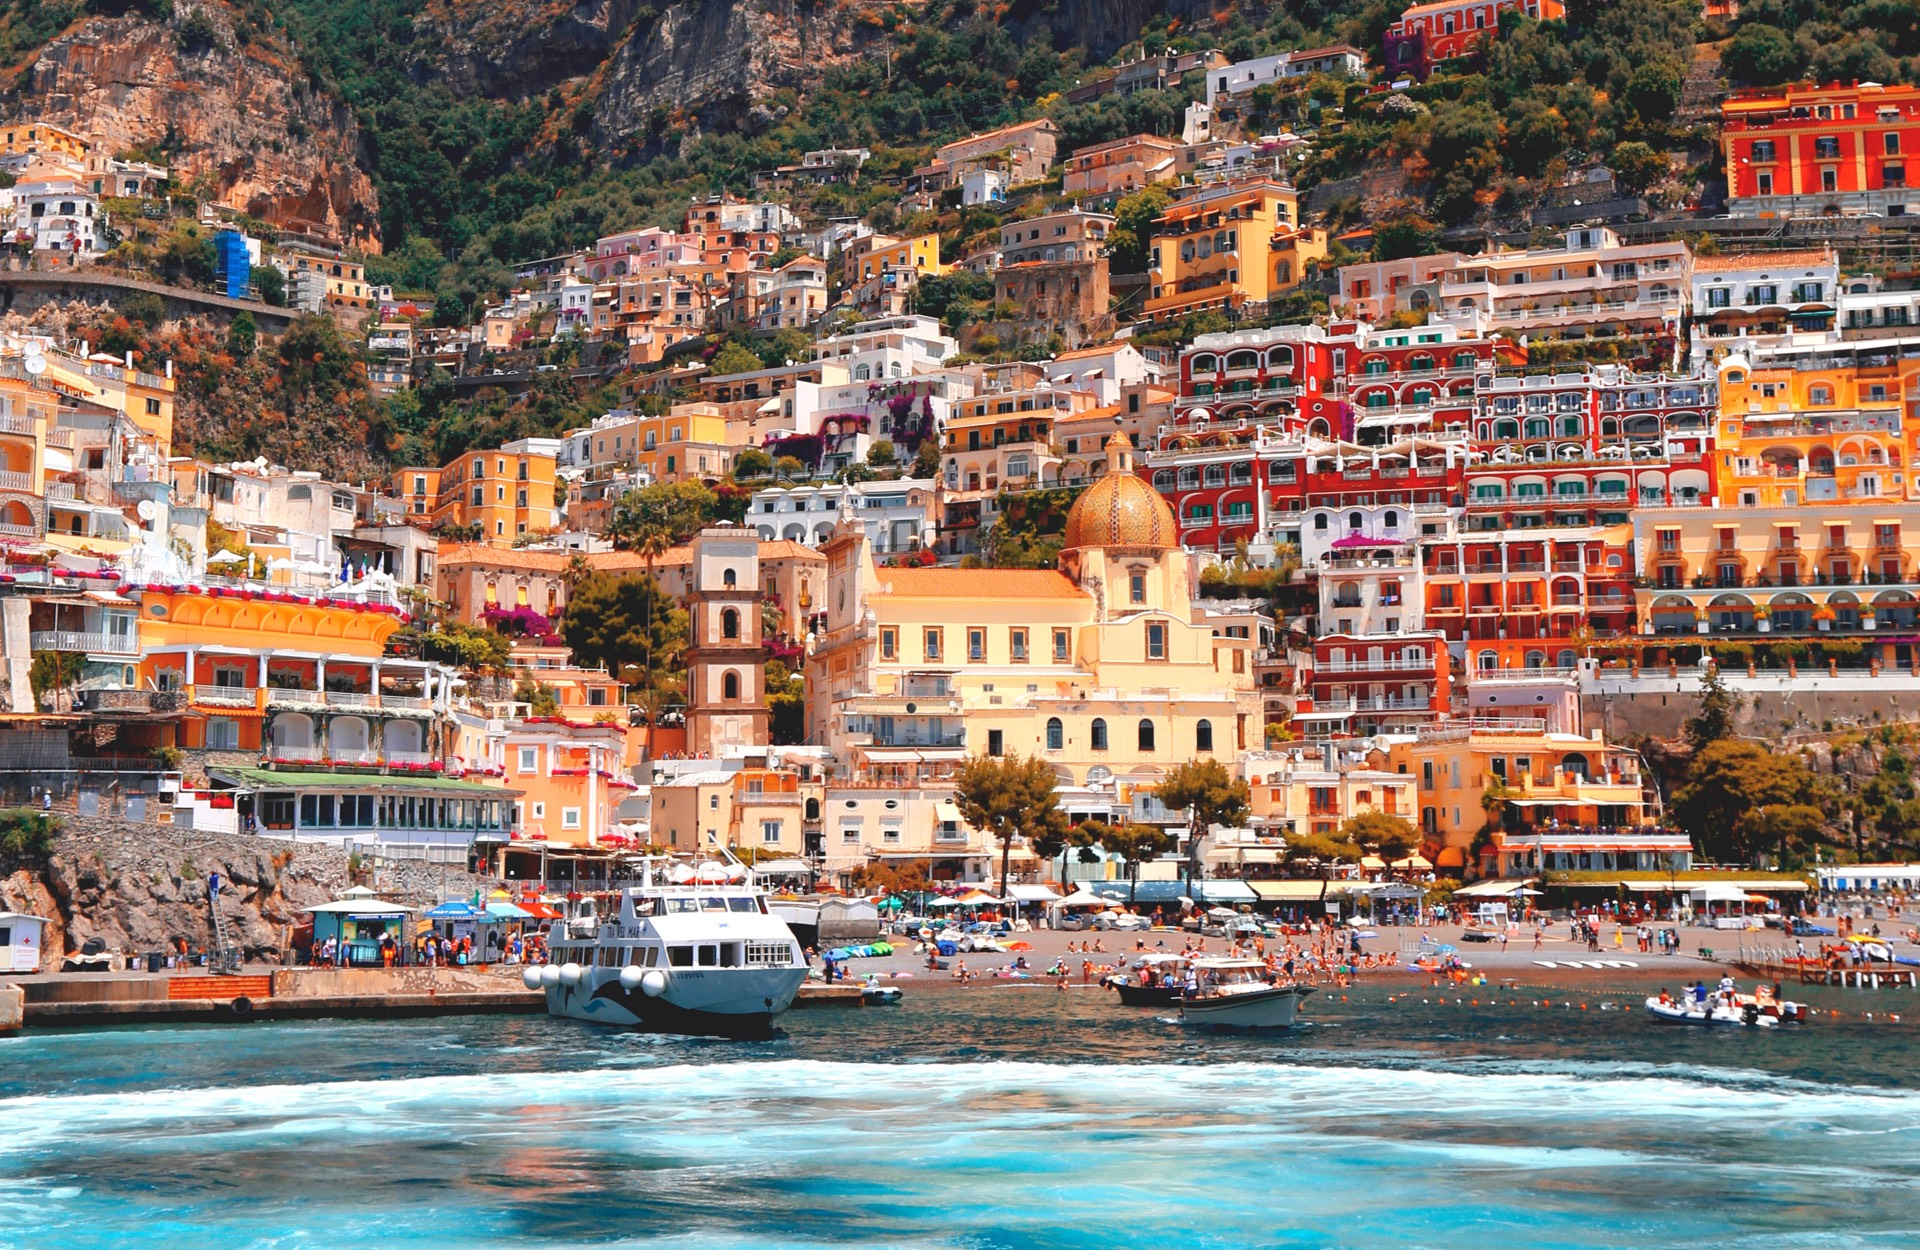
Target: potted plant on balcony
x=1763, y=618
x=1700, y=622
x=1868, y=618
x=1823, y=618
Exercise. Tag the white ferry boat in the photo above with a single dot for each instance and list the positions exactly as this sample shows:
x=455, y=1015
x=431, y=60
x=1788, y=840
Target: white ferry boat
x=703, y=957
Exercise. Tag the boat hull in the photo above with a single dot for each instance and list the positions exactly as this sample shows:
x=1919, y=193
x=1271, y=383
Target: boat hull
x=1146, y=995
x=698, y=1002
x=1260, y=1009
x=1744, y=1015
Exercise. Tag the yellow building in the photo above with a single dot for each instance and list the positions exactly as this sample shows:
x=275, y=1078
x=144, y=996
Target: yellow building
x=1810, y=568
x=145, y=398
x=29, y=407
x=36, y=138
x=876, y=253
x=506, y=493
x=668, y=447
x=1099, y=666
x=1564, y=802
x=1817, y=432
x=1229, y=246
x=242, y=659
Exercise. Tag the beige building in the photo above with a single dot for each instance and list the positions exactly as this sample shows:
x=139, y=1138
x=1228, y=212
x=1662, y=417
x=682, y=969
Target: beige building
x=1100, y=667
x=1571, y=802
x=1121, y=165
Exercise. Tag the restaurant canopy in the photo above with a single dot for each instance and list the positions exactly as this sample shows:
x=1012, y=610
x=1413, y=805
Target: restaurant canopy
x=453, y=910
x=1021, y=892
x=1294, y=891
x=1494, y=889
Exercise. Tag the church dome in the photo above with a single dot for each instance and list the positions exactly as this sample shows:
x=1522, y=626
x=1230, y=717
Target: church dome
x=1120, y=510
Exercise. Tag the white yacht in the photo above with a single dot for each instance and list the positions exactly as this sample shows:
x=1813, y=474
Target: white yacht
x=701, y=955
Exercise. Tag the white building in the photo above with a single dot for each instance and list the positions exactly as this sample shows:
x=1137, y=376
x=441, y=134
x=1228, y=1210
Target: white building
x=899, y=515
x=983, y=186
x=888, y=347
x=57, y=215
x=1242, y=77
x=1754, y=301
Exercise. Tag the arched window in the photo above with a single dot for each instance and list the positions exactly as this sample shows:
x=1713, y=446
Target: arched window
x=729, y=624
x=1056, y=734
x=1356, y=521
x=1146, y=735
x=730, y=686
x=1391, y=519
x=1203, y=736
x=1319, y=521
x=727, y=579
x=1099, y=735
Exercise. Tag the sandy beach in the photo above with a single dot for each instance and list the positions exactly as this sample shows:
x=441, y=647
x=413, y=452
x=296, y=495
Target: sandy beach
x=1625, y=969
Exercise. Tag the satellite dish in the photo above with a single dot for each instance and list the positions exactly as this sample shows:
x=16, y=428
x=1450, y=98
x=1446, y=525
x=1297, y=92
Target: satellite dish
x=34, y=363
x=146, y=509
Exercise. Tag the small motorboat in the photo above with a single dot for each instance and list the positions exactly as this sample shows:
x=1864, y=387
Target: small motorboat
x=880, y=995
x=1155, y=980
x=1725, y=1006
x=1239, y=994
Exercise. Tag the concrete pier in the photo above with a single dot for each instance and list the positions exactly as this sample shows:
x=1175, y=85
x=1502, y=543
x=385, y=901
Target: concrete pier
x=67, y=1001
x=13, y=1004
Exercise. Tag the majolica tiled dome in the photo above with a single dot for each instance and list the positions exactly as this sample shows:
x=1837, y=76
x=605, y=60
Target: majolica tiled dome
x=1120, y=510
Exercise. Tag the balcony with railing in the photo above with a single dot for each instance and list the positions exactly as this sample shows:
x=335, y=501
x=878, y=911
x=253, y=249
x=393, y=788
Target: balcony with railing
x=1386, y=664
x=90, y=641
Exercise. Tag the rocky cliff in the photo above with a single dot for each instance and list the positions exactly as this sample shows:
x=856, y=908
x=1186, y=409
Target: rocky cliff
x=141, y=888
x=652, y=71
x=250, y=130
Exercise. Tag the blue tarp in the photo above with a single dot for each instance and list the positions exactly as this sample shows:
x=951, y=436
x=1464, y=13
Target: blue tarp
x=1145, y=892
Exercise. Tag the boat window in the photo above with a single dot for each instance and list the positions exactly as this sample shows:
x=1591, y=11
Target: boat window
x=730, y=954
x=740, y=904
x=643, y=906
x=680, y=956
x=652, y=959
x=709, y=956
x=713, y=904
x=681, y=904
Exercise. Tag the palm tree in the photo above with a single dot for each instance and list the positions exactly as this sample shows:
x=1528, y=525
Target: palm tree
x=651, y=542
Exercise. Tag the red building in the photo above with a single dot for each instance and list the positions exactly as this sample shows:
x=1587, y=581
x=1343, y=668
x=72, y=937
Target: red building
x=1420, y=380
x=1815, y=151
x=1517, y=600
x=1428, y=34
x=1281, y=377
x=1376, y=683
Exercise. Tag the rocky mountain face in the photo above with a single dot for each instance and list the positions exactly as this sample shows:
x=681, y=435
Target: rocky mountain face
x=251, y=132
x=675, y=71
x=141, y=888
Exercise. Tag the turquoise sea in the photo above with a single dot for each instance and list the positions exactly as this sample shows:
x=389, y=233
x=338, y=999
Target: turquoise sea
x=977, y=1120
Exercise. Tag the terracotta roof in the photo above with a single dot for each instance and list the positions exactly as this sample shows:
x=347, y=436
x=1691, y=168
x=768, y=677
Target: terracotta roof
x=978, y=584
x=1763, y=260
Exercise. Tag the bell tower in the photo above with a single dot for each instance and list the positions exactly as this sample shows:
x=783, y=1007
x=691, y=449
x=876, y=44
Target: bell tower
x=726, y=658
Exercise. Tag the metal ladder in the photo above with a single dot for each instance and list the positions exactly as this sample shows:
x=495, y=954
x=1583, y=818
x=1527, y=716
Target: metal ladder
x=226, y=956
